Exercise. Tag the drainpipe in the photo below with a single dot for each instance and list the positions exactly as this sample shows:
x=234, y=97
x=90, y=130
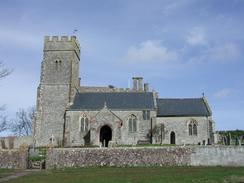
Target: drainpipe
x=63, y=141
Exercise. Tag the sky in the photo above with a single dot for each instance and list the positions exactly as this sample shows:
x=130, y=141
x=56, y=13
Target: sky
x=182, y=48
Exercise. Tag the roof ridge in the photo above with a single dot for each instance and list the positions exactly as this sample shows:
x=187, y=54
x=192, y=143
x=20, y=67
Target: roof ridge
x=177, y=98
x=114, y=92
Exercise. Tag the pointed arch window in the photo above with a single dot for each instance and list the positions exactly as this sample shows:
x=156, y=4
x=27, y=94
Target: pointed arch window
x=84, y=122
x=132, y=123
x=192, y=128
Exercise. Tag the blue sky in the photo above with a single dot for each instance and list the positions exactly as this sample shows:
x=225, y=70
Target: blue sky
x=182, y=48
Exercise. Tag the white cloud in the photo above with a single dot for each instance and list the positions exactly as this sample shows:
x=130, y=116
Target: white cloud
x=223, y=93
x=150, y=51
x=197, y=36
x=218, y=53
x=224, y=52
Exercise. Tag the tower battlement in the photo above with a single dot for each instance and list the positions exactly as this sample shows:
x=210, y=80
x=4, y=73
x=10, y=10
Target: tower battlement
x=60, y=38
x=61, y=43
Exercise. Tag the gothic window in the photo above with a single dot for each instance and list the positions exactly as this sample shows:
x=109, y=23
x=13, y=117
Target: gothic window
x=84, y=124
x=146, y=115
x=132, y=123
x=192, y=127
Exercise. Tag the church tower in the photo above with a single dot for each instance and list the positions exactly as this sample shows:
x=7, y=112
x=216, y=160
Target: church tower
x=58, y=84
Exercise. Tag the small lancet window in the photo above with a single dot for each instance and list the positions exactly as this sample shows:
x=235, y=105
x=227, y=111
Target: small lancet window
x=84, y=124
x=58, y=65
x=132, y=123
x=190, y=129
x=194, y=129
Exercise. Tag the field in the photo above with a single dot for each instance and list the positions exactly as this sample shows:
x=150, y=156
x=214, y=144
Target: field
x=136, y=175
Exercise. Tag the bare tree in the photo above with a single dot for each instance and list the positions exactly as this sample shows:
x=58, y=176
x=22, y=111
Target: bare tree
x=3, y=119
x=22, y=125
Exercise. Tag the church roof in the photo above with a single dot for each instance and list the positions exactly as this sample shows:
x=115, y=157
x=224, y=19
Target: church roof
x=113, y=100
x=182, y=107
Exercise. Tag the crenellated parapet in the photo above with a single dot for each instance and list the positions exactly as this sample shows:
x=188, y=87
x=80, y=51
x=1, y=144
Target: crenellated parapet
x=63, y=43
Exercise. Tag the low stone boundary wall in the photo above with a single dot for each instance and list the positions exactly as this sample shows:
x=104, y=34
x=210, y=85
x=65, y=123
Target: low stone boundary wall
x=13, y=142
x=82, y=157
x=218, y=156
x=14, y=158
x=147, y=156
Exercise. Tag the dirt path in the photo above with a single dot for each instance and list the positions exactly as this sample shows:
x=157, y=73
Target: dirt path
x=17, y=174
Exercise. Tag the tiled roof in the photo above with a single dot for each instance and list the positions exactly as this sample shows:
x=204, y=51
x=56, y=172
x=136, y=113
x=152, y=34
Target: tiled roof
x=113, y=100
x=182, y=107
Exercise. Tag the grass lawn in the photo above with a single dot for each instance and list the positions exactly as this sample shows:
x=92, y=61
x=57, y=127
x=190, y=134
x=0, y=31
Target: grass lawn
x=5, y=172
x=138, y=175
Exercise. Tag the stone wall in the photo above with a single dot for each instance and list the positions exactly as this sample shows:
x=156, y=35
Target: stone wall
x=12, y=142
x=218, y=156
x=179, y=125
x=81, y=157
x=150, y=156
x=117, y=120
x=23, y=141
x=14, y=159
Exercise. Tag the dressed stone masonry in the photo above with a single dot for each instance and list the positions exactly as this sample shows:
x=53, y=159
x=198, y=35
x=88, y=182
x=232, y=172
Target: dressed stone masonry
x=72, y=115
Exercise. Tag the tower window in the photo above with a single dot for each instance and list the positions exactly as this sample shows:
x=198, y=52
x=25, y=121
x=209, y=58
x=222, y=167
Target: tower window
x=58, y=65
x=132, y=123
x=84, y=124
x=192, y=127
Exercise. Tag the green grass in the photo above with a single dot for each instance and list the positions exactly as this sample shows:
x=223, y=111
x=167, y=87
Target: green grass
x=36, y=158
x=5, y=172
x=137, y=175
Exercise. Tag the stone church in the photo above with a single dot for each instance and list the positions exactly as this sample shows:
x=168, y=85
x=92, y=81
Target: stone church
x=71, y=115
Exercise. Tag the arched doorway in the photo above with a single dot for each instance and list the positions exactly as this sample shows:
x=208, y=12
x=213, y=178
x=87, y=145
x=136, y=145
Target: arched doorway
x=105, y=135
x=172, y=138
